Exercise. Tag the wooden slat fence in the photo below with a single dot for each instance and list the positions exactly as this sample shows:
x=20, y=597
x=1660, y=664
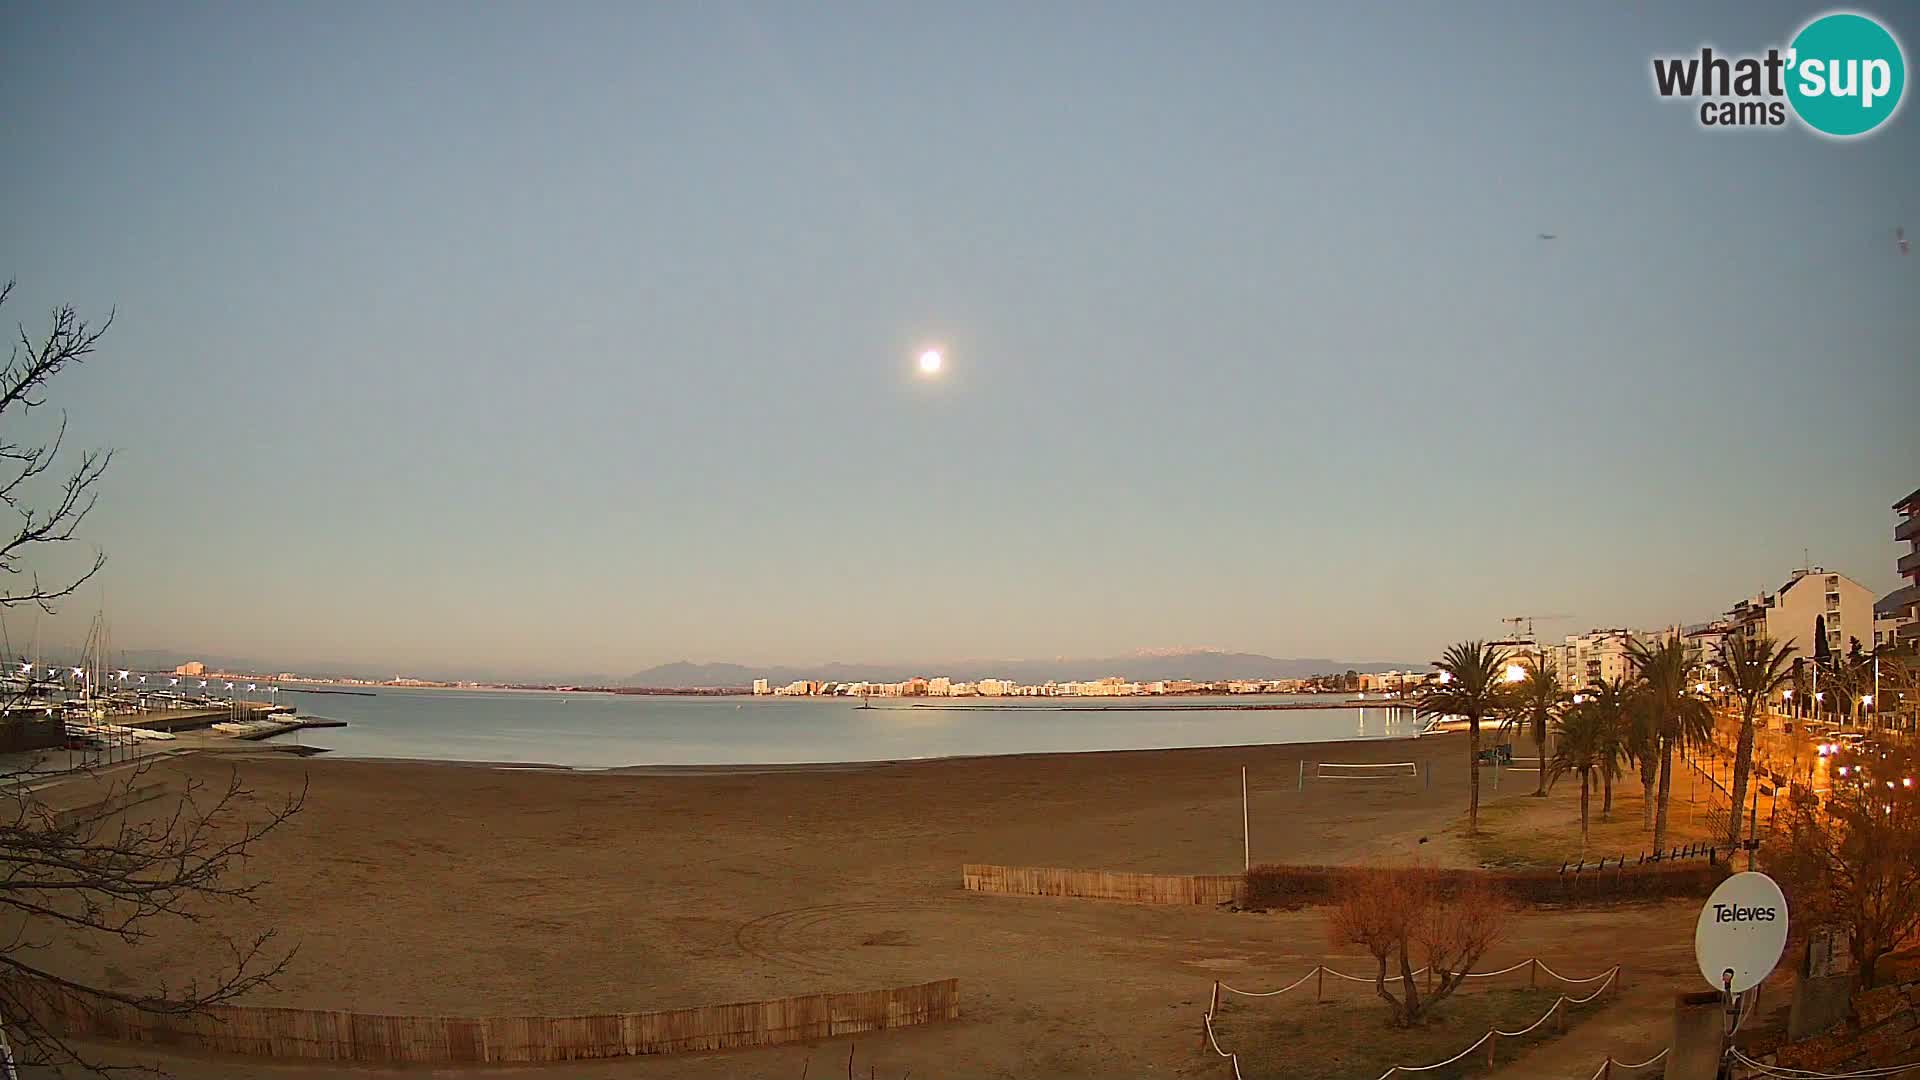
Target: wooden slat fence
x=365, y=1037
x=1101, y=884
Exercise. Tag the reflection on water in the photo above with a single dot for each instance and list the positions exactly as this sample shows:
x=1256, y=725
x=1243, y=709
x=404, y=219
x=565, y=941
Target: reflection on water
x=606, y=730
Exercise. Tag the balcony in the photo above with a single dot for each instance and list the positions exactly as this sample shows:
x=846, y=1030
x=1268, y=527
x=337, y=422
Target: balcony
x=1909, y=564
x=1907, y=530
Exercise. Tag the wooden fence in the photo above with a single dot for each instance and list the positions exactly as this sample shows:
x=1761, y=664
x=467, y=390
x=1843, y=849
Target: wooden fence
x=1101, y=884
x=365, y=1037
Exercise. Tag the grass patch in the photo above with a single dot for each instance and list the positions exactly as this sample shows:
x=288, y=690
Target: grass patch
x=1519, y=832
x=1349, y=1036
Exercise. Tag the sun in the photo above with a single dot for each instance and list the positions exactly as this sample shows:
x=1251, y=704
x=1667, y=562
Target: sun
x=931, y=362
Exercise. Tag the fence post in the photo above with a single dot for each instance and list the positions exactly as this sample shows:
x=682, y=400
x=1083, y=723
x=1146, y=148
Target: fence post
x=1214, y=1005
x=1303, y=774
x=1493, y=1040
x=1560, y=1016
x=1533, y=975
x=1320, y=983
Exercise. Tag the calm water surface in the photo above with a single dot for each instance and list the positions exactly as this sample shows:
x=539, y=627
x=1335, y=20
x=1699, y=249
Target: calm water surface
x=606, y=730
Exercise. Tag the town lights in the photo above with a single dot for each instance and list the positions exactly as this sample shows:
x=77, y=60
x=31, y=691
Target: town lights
x=1515, y=673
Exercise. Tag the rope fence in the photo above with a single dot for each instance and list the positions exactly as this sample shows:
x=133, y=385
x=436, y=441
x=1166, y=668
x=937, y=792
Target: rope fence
x=1764, y=1069
x=1539, y=966
x=1608, y=979
x=1607, y=1066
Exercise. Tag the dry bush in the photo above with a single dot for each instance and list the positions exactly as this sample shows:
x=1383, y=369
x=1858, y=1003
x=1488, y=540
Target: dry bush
x=1292, y=887
x=1418, y=918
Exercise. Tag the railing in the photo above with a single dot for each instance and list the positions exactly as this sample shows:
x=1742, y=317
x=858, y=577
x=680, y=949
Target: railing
x=1699, y=850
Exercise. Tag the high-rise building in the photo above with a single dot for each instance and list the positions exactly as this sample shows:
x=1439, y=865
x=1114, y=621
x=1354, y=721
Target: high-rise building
x=760, y=688
x=1897, y=615
x=191, y=667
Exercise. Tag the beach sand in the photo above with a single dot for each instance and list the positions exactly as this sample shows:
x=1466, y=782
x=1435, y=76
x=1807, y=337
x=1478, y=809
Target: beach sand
x=430, y=888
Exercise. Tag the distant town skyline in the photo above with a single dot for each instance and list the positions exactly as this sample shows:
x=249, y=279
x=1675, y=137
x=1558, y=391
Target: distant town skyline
x=589, y=340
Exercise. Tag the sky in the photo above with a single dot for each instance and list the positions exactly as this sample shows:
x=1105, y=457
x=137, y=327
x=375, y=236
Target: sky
x=552, y=338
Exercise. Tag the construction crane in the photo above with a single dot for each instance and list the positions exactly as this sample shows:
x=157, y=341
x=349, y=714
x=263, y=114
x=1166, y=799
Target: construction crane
x=1514, y=623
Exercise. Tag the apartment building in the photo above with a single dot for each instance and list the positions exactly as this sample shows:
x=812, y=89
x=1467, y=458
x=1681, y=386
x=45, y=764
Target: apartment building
x=1896, y=618
x=1814, y=602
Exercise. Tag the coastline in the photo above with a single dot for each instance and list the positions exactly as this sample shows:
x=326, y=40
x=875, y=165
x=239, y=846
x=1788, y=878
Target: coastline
x=1344, y=748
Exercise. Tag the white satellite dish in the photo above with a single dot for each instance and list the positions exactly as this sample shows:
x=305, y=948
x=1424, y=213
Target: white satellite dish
x=1741, y=933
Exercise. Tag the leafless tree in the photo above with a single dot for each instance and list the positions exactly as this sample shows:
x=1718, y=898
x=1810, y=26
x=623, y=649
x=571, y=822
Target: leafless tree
x=138, y=851
x=31, y=364
x=1415, y=916
x=1852, y=859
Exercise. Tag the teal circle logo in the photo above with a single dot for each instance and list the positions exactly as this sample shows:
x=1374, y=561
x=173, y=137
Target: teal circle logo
x=1846, y=74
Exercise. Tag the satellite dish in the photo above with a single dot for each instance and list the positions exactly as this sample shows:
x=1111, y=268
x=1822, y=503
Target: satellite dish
x=1741, y=933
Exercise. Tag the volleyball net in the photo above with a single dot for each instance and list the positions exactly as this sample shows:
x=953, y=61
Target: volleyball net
x=1373, y=770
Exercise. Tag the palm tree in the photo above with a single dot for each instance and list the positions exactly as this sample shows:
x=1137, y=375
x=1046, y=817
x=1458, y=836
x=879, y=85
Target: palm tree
x=1536, y=702
x=1673, y=714
x=1585, y=741
x=1472, y=685
x=1754, y=668
x=1609, y=702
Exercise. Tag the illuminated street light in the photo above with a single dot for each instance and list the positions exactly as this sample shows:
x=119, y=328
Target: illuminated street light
x=1515, y=673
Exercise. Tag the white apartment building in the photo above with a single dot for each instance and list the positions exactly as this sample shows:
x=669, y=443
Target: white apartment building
x=760, y=688
x=1811, y=598
x=940, y=687
x=1599, y=655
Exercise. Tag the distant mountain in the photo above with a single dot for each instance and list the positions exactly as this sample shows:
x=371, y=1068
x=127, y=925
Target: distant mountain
x=1200, y=666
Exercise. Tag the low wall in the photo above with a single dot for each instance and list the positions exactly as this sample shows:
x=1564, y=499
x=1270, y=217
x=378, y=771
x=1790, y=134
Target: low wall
x=1101, y=884
x=371, y=1038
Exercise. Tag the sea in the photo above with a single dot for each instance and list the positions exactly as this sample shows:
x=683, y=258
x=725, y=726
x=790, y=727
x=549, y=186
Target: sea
x=597, y=731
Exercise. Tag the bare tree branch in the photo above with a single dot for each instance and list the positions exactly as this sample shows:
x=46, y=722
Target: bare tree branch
x=31, y=365
x=144, y=852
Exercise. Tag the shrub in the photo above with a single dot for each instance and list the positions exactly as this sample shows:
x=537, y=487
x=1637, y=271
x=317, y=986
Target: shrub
x=1290, y=887
x=1418, y=917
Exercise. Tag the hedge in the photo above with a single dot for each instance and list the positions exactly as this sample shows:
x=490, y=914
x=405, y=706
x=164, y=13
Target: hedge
x=1288, y=887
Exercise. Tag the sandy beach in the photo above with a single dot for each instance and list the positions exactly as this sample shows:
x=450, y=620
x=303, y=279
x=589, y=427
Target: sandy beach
x=413, y=887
